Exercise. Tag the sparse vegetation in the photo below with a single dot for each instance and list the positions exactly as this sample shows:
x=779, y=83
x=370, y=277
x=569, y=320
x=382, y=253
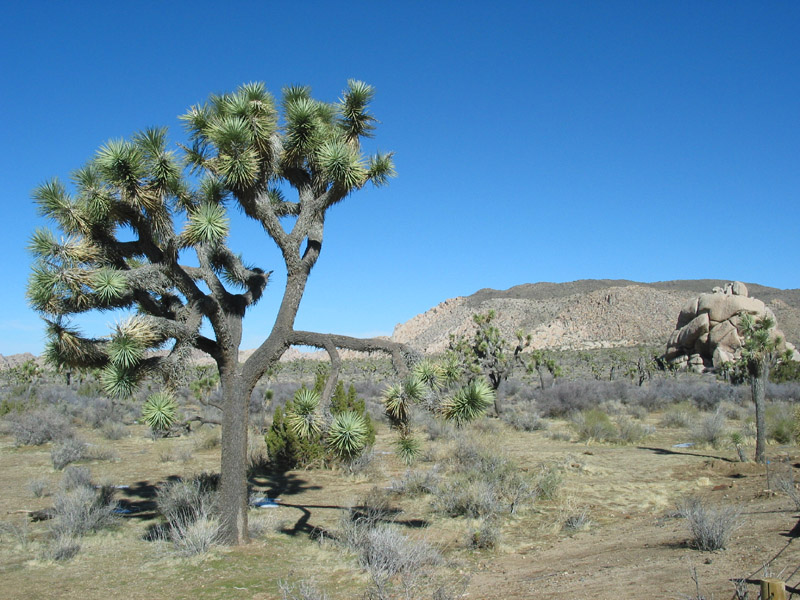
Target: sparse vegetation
x=710, y=527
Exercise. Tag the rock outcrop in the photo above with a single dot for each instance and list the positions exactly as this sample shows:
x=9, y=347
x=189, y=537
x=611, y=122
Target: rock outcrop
x=708, y=332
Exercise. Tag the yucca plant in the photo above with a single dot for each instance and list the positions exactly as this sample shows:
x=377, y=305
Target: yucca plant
x=303, y=419
x=408, y=448
x=347, y=435
x=468, y=403
x=397, y=400
x=429, y=374
x=160, y=411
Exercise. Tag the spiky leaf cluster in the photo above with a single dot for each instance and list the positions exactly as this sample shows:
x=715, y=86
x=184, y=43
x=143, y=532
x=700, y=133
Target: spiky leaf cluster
x=759, y=342
x=469, y=402
x=408, y=448
x=347, y=435
x=160, y=411
x=398, y=398
x=304, y=419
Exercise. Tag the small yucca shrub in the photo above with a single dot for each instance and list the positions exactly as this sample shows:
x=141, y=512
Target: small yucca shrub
x=468, y=403
x=347, y=435
x=303, y=418
x=160, y=411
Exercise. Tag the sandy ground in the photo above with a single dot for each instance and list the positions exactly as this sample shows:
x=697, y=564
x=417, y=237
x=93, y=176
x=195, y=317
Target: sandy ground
x=634, y=547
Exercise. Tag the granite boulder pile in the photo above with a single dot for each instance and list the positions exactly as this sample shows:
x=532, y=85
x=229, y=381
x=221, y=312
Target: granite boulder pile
x=708, y=332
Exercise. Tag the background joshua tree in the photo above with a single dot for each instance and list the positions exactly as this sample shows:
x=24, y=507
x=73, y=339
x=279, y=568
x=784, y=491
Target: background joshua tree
x=487, y=353
x=759, y=353
x=147, y=227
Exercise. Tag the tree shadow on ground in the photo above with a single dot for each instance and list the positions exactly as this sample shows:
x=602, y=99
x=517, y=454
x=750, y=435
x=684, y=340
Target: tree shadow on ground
x=669, y=451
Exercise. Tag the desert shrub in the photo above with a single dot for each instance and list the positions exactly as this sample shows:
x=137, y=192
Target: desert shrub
x=710, y=429
x=548, y=482
x=302, y=590
x=638, y=412
x=38, y=427
x=67, y=451
x=257, y=455
x=787, y=486
x=710, y=527
x=62, y=547
x=593, y=425
x=207, y=439
x=390, y=556
x=364, y=464
x=76, y=477
x=39, y=487
x=80, y=510
x=468, y=497
x=780, y=423
x=570, y=396
x=576, y=521
x=486, y=535
x=523, y=420
x=194, y=537
x=175, y=454
x=631, y=432
x=182, y=501
x=434, y=428
x=482, y=484
x=15, y=533
x=416, y=482
x=114, y=430
x=680, y=415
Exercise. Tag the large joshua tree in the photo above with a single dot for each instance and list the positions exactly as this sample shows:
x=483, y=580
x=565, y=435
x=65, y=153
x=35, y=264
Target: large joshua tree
x=146, y=229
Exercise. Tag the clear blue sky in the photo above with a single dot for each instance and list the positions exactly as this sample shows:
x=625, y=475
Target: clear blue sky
x=535, y=141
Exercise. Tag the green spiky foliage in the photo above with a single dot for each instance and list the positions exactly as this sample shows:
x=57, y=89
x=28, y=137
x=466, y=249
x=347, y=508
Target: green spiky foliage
x=398, y=399
x=408, y=448
x=487, y=353
x=286, y=449
x=469, y=402
x=430, y=374
x=349, y=401
x=144, y=228
x=347, y=435
x=160, y=411
x=303, y=418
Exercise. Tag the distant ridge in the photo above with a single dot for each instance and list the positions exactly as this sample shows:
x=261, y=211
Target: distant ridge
x=583, y=314
x=576, y=315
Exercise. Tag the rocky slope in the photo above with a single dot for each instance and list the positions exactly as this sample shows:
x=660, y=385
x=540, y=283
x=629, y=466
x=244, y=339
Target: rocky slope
x=578, y=315
x=583, y=314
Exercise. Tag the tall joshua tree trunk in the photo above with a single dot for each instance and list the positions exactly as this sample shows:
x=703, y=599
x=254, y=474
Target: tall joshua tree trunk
x=758, y=387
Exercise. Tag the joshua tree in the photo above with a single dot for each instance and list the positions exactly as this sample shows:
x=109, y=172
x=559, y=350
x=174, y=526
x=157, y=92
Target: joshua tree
x=759, y=353
x=148, y=232
x=489, y=354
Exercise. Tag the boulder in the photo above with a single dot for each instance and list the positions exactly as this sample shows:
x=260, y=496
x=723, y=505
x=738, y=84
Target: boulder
x=721, y=307
x=721, y=356
x=688, y=312
x=738, y=288
x=693, y=330
x=708, y=332
x=726, y=335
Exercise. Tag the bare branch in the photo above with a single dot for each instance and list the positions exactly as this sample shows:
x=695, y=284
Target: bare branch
x=400, y=353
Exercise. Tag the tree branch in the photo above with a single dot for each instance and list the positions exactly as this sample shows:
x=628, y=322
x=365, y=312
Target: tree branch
x=400, y=353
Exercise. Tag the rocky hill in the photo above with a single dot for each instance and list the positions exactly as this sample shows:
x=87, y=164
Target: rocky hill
x=578, y=315
x=591, y=313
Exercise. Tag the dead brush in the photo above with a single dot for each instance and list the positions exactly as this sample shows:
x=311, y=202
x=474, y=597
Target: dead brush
x=710, y=527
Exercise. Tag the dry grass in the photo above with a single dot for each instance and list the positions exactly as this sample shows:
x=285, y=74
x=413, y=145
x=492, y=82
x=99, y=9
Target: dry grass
x=620, y=488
